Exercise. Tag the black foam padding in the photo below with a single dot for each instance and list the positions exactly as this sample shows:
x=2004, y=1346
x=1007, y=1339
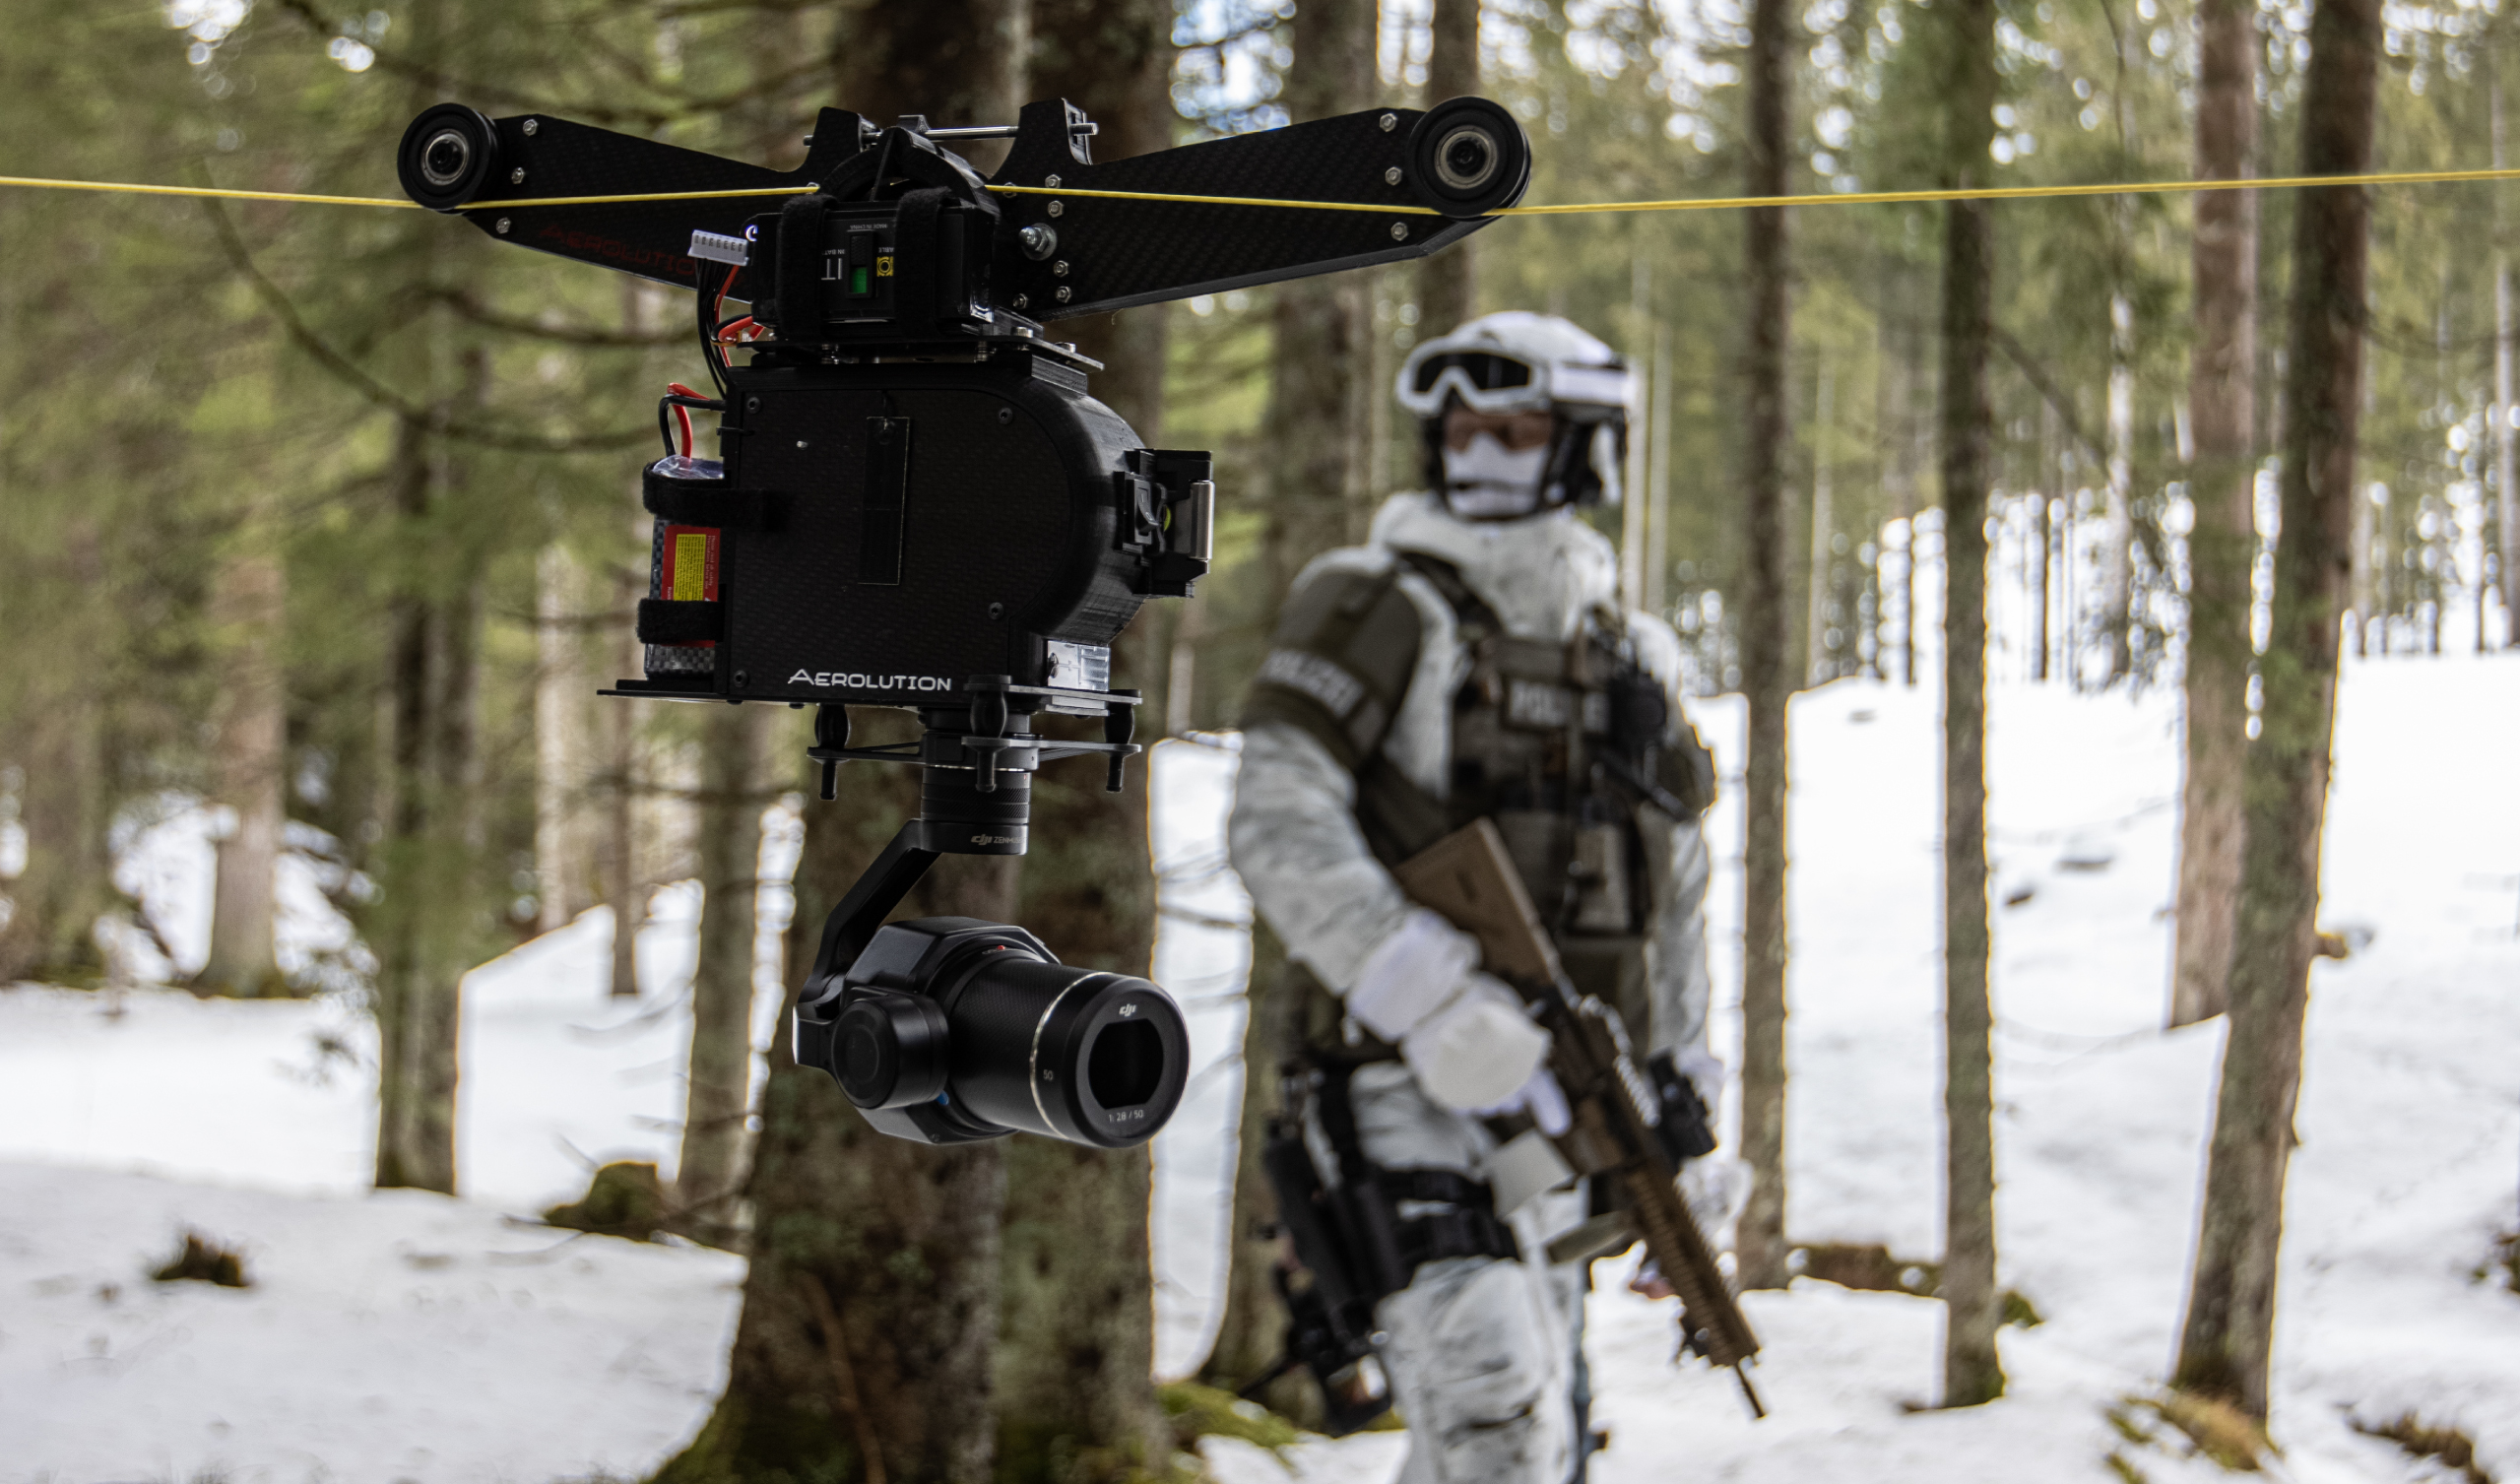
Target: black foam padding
x=665, y=621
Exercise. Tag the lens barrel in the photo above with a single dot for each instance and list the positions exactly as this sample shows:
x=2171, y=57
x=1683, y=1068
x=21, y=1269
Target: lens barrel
x=1470, y=156
x=952, y=1028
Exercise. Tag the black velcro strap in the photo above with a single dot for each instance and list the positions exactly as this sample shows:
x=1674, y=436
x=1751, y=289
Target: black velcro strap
x=666, y=620
x=1447, y=1185
x=799, y=264
x=915, y=281
x=708, y=502
x=1462, y=1231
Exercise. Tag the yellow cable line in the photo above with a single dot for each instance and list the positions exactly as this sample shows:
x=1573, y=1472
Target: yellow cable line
x=1699, y=204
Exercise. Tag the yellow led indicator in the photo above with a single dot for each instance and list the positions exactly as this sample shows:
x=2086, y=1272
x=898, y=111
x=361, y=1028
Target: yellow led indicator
x=884, y=266
x=690, y=567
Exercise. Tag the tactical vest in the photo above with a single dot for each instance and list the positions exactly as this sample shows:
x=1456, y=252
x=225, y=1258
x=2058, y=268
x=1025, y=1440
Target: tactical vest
x=1563, y=746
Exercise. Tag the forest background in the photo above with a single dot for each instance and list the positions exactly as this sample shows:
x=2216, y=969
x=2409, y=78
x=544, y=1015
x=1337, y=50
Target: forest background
x=327, y=515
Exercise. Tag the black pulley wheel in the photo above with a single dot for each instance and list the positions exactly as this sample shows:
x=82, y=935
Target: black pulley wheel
x=448, y=155
x=1469, y=157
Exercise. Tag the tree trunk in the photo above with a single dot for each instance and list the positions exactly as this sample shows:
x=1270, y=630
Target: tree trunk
x=2050, y=489
x=1076, y=1353
x=954, y=61
x=2508, y=498
x=2222, y=549
x=1972, y=1373
x=1318, y=420
x=1252, y=1332
x=1316, y=425
x=421, y=957
x=2226, y=1347
x=710, y=1174
x=625, y=887
x=559, y=738
x=871, y=1306
x=2117, y=531
x=1824, y=520
x=1448, y=283
x=1767, y=678
x=252, y=743
x=66, y=880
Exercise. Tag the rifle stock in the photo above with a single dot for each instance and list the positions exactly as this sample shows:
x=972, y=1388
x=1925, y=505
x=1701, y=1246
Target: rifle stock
x=1467, y=878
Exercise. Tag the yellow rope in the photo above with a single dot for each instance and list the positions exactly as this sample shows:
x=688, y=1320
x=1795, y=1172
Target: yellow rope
x=1700, y=203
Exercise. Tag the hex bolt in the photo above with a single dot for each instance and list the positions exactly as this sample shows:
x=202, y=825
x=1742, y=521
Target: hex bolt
x=1059, y=268
x=799, y=442
x=502, y=227
x=1399, y=232
x=1391, y=177
x=1064, y=291
x=1051, y=181
x=1024, y=300
x=516, y=176
x=1056, y=208
x=1038, y=241
x=533, y=126
x=1390, y=121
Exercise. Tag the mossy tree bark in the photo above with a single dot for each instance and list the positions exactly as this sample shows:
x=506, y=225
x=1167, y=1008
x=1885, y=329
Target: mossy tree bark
x=1972, y=1373
x=1317, y=427
x=250, y=611
x=717, y=1099
x=1076, y=1354
x=1448, y=283
x=1767, y=623
x=2222, y=545
x=2225, y=1345
x=870, y=1310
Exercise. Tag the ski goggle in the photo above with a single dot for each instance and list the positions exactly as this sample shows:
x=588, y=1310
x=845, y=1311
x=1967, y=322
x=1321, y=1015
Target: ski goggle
x=1490, y=381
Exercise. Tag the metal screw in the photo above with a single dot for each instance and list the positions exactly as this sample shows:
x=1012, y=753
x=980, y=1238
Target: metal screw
x=502, y=227
x=1005, y=415
x=1038, y=241
x=1059, y=268
x=1058, y=208
x=1399, y=232
x=799, y=442
x=753, y=404
x=1051, y=181
x=996, y=609
x=1390, y=121
x=516, y=176
x=1062, y=293
x=532, y=127
x=743, y=677
x=1391, y=177
x=1024, y=300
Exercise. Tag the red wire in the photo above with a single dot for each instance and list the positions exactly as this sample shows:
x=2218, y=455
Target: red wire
x=683, y=415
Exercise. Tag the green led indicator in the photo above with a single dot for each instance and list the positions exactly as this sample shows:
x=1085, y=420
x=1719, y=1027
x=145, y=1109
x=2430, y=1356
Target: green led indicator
x=857, y=281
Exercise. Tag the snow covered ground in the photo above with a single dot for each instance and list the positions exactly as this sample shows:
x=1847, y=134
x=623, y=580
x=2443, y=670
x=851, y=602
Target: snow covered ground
x=411, y=1336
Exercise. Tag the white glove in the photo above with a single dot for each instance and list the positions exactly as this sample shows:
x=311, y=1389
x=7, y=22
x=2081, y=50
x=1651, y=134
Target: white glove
x=1463, y=1034
x=1542, y=1098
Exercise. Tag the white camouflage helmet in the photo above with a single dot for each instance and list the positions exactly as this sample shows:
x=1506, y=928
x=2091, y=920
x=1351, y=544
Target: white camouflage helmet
x=1518, y=361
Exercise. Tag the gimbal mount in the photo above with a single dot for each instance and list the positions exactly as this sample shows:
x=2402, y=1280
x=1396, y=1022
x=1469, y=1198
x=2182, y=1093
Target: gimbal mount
x=917, y=504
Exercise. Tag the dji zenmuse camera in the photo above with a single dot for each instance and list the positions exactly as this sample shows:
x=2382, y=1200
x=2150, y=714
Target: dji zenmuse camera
x=916, y=503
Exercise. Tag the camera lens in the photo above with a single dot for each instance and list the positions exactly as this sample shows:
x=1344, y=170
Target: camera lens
x=445, y=157
x=953, y=1029
x=1048, y=1047
x=1465, y=158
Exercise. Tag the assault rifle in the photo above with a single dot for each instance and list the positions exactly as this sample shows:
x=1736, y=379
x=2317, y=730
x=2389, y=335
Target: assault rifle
x=1467, y=878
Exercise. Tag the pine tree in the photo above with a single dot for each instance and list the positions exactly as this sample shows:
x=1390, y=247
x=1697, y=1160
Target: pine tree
x=2226, y=1348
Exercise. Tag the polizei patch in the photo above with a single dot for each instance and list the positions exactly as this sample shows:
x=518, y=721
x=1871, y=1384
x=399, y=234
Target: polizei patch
x=844, y=680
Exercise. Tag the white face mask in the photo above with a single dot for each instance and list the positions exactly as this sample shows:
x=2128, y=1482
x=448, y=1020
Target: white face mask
x=1489, y=482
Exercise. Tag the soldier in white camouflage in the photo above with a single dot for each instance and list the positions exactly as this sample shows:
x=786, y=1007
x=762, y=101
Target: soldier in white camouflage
x=1470, y=660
